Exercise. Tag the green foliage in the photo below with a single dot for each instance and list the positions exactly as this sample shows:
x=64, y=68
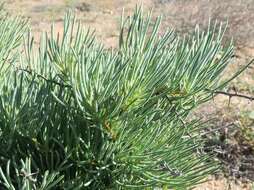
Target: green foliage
x=75, y=115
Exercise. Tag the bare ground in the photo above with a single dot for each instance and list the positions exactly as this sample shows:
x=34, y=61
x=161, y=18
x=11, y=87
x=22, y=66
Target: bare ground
x=104, y=16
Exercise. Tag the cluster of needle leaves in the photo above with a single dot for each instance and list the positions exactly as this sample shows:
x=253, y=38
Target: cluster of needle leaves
x=76, y=115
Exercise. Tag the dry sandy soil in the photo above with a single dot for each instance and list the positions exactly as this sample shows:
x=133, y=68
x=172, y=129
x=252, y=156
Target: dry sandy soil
x=183, y=15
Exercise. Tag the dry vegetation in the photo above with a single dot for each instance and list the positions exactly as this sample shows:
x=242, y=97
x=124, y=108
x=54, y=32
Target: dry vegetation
x=234, y=141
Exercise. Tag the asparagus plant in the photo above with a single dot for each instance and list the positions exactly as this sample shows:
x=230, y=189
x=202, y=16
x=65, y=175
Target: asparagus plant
x=76, y=115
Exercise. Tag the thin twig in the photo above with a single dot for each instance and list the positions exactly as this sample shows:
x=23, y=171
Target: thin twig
x=216, y=129
x=44, y=78
x=234, y=95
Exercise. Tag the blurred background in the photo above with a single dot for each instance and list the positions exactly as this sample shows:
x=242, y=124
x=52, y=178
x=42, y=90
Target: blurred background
x=230, y=134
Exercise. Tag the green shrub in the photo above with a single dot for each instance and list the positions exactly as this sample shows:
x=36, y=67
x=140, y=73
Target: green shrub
x=75, y=115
